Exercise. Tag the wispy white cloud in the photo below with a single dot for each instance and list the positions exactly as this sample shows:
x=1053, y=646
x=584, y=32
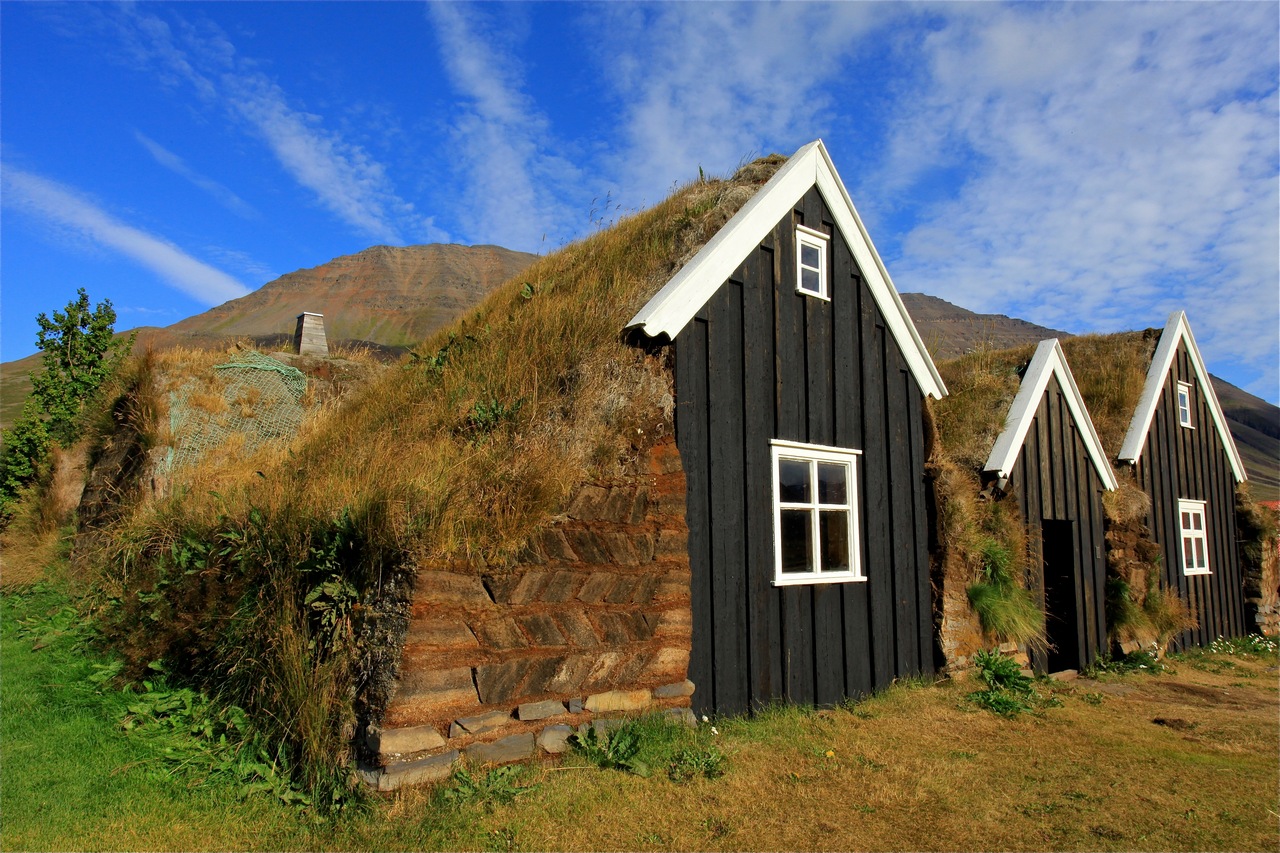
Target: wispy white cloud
x=343, y=177
x=63, y=207
x=514, y=186
x=709, y=84
x=178, y=166
x=1119, y=162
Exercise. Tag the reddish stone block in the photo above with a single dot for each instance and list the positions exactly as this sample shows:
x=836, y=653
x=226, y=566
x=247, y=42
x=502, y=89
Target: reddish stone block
x=673, y=586
x=450, y=588
x=676, y=623
x=621, y=547
x=501, y=584
x=542, y=672
x=590, y=503
x=645, y=588
x=588, y=546
x=639, y=506
x=623, y=590
x=556, y=546
x=500, y=682
x=672, y=544
x=436, y=686
x=571, y=673
x=440, y=632
x=541, y=629
x=618, y=505
x=501, y=633
x=597, y=586
x=628, y=672
x=562, y=586
x=669, y=664
x=615, y=628
x=578, y=629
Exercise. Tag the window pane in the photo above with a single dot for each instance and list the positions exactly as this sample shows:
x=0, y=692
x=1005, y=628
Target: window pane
x=793, y=481
x=1188, y=557
x=1186, y=521
x=797, y=545
x=809, y=255
x=831, y=483
x=1201, y=562
x=834, y=530
x=809, y=281
x=1197, y=521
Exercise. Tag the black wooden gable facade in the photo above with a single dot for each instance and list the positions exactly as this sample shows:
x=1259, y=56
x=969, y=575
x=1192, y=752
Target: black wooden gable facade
x=1052, y=463
x=1183, y=467
x=760, y=362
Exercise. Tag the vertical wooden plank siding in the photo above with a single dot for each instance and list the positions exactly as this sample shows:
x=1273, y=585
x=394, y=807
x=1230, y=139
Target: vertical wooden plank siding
x=1053, y=479
x=1191, y=463
x=759, y=362
x=692, y=416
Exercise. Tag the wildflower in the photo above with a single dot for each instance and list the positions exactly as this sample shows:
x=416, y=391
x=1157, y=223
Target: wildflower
x=714, y=730
x=831, y=753
x=705, y=719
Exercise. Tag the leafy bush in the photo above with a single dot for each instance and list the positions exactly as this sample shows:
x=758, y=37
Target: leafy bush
x=614, y=751
x=1009, y=692
x=498, y=786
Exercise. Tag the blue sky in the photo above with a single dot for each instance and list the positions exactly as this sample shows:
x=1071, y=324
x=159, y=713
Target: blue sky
x=1089, y=167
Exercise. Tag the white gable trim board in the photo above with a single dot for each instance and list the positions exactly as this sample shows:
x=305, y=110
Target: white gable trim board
x=1048, y=361
x=674, y=305
x=1176, y=331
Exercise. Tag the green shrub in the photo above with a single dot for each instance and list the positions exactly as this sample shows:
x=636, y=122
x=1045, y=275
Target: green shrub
x=1006, y=610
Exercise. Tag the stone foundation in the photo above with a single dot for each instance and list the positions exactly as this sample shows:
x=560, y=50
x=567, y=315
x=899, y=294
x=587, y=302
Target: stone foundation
x=592, y=620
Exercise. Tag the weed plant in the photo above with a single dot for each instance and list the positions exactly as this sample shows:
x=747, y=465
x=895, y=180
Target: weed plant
x=1008, y=692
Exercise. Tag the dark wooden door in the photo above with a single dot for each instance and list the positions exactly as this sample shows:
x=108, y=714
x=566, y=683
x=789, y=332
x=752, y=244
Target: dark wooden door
x=1061, y=606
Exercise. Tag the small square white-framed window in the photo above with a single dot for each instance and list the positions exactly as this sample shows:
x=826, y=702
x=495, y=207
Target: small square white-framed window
x=1195, y=543
x=1184, y=404
x=812, y=274
x=815, y=514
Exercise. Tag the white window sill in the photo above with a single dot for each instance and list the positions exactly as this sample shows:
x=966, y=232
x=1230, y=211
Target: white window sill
x=814, y=579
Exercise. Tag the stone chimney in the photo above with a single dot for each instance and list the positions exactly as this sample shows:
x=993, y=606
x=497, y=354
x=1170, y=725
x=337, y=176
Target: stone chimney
x=309, y=337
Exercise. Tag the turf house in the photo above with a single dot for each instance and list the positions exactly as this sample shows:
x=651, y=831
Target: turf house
x=1180, y=452
x=1048, y=470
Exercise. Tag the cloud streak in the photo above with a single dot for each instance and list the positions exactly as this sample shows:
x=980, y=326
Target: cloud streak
x=61, y=206
x=343, y=177
x=514, y=186
x=178, y=166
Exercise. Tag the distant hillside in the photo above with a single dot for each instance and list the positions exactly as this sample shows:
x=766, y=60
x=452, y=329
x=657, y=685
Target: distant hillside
x=391, y=297
x=386, y=297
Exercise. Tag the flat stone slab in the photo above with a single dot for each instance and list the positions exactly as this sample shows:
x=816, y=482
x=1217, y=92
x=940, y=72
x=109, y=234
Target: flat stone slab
x=513, y=748
x=403, y=741
x=418, y=772
x=674, y=691
x=480, y=723
x=540, y=710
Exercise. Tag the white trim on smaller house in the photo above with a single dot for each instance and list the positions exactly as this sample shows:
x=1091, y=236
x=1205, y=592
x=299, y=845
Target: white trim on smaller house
x=1049, y=361
x=1193, y=537
x=816, y=530
x=1176, y=331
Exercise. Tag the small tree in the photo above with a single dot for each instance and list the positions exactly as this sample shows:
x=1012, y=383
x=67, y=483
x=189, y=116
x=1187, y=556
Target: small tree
x=80, y=352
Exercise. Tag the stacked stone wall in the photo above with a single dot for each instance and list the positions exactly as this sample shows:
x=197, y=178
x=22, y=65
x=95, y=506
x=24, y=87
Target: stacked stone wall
x=1262, y=591
x=592, y=621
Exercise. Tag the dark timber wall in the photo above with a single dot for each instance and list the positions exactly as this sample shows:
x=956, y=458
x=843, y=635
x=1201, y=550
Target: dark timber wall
x=1053, y=480
x=1176, y=463
x=760, y=361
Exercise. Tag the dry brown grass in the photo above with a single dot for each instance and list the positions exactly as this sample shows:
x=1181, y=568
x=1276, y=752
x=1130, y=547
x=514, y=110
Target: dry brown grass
x=463, y=450
x=981, y=387
x=1110, y=371
x=920, y=769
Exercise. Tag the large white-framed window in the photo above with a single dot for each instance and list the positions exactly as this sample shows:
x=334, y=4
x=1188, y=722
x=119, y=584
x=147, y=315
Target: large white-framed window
x=812, y=274
x=815, y=514
x=1195, y=545
x=1184, y=404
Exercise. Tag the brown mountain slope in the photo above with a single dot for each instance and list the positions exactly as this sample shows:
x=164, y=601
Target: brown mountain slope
x=389, y=295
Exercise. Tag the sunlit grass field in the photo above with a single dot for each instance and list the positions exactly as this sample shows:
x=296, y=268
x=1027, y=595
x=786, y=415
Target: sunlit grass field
x=1184, y=759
